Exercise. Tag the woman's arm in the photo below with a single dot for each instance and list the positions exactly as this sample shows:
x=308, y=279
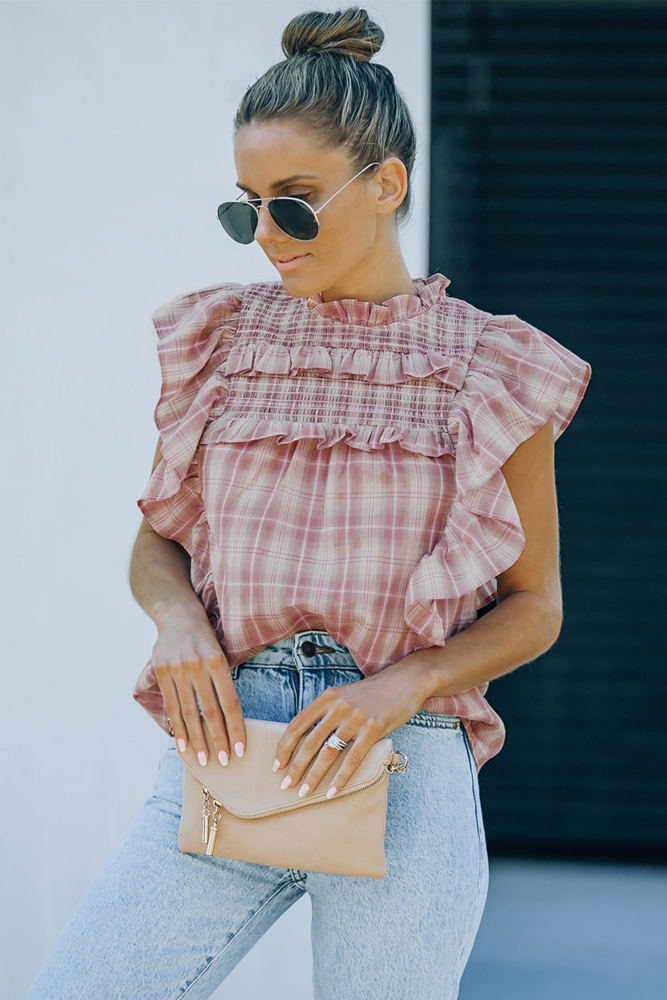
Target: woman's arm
x=525, y=623
x=190, y=666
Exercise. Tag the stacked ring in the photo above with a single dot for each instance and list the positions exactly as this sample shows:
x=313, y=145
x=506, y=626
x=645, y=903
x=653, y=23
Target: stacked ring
x=335, y=742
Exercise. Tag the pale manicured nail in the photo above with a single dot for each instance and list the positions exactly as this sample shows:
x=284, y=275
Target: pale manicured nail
x=239, y=748
x=223, y=758
x=304, y=788
x=286, y=782
x=180, y=742
x=332, y=791
x=202, y=758
x=276, y=765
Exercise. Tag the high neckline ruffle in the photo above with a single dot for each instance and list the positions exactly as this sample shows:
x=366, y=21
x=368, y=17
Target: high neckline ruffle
x=399, y=307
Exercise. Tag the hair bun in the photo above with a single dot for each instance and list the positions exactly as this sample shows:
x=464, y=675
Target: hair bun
x=347, y=32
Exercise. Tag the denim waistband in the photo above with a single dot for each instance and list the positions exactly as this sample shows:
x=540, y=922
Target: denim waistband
x=312, y=649
x=315, y=649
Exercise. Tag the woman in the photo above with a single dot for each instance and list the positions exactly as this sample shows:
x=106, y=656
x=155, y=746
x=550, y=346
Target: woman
x=351, y=466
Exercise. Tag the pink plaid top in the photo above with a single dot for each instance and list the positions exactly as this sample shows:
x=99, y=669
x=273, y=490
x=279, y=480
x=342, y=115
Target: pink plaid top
x=338, y=466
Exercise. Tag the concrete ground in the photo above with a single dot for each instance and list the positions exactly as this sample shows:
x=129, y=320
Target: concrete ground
x=552, y=930
x=581, y=931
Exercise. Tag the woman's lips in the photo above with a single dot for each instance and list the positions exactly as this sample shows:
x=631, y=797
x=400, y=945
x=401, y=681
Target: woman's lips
x=289, y=263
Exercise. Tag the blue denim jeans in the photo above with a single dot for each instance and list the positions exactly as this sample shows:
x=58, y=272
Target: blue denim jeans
x=158, y=924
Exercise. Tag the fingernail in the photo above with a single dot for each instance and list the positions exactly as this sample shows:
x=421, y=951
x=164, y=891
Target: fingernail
x=180, y=743
x=304, y=788
x=202, y=758
x=332, y=791
x=223, y=758
x=287, y=781
x=239, y=748
x=276, y=765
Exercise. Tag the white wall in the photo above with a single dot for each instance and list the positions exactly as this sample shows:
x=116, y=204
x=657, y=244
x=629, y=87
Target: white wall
x=116, y=133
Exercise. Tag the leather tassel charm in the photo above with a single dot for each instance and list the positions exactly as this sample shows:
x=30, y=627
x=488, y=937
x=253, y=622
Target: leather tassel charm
x=213, y=836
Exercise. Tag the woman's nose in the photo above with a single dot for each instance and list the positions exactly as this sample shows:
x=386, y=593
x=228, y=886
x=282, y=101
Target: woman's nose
x=266, y=228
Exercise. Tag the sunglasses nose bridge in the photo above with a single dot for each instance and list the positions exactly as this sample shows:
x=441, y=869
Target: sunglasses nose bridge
x=266, y=225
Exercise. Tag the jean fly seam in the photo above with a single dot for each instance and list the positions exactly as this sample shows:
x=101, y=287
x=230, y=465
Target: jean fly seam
x=276, y=892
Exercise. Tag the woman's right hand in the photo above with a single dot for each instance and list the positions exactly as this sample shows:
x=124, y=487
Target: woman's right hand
x=190, y=667
x=195, y=680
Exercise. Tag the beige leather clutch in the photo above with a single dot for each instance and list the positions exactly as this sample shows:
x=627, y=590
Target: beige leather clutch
x=240, y=811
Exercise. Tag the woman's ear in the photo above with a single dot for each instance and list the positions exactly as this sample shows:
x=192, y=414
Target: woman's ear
x=391, y=183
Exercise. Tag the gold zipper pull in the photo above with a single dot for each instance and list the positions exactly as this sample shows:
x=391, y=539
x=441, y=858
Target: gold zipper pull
x=213, y=835
x=205, y=815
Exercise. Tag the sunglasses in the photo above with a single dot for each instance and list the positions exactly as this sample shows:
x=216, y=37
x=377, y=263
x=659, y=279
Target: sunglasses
x=293, y=216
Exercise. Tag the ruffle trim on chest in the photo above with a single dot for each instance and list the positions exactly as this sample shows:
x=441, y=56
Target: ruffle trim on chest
x=383, y=367
x=425, y=441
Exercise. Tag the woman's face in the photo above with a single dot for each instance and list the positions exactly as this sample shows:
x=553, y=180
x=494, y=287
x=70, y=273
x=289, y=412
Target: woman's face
x=283, y=157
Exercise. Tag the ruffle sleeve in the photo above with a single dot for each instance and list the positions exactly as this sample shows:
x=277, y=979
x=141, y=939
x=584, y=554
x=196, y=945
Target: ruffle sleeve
x=518, y=378
x=195, y=333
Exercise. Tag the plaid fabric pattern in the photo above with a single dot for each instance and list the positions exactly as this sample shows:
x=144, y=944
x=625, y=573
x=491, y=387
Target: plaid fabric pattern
x=338, y=465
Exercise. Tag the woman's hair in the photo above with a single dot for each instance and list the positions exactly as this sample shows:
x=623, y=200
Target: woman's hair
x=327, y=80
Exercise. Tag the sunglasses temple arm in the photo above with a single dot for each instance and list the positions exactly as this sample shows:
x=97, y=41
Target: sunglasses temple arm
x=367, y=167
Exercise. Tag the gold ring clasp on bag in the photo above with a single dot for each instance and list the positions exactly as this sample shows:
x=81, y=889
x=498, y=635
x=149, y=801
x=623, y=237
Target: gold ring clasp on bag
x=398, y=763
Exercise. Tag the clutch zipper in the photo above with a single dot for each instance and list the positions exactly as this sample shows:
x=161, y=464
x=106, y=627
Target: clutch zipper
x=211, y=812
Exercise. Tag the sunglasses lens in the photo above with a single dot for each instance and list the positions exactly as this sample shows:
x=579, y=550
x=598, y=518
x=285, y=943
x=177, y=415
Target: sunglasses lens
x=294, y=219
x=238, y=220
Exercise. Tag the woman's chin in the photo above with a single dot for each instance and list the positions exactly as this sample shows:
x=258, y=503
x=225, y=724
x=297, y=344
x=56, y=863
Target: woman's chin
x=299, y=287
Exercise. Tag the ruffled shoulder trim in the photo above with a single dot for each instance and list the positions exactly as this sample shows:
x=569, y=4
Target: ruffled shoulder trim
x=195, y=333
x=518, y=379
x=190, y=328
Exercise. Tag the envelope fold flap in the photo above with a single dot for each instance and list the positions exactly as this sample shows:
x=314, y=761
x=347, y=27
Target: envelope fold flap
x=247, y=786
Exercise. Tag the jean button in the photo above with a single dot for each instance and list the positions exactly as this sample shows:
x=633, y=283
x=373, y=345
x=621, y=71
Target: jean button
x=308, y=648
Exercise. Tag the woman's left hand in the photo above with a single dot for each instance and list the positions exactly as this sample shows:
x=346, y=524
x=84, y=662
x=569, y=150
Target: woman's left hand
x=362, y=712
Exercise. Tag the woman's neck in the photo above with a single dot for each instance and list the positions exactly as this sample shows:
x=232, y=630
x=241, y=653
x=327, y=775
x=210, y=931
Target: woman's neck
x=385, y=277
